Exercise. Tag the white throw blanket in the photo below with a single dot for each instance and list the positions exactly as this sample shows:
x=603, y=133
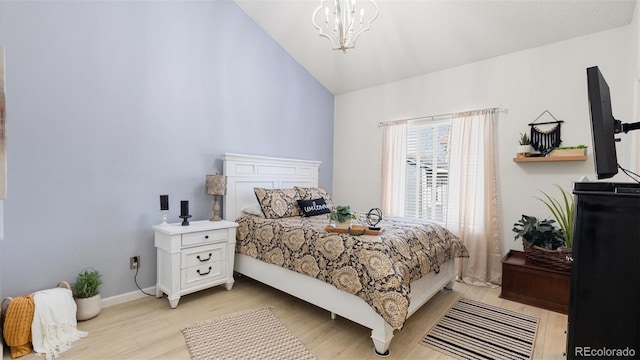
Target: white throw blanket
x=54, y=325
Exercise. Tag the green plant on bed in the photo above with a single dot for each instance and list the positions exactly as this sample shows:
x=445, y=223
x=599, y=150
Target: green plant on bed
x=539, y=233
x=342, y=214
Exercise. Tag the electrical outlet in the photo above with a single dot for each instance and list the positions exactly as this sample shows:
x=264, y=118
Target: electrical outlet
x=134, y=262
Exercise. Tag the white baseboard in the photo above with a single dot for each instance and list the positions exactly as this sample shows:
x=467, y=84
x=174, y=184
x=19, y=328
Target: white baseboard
x=126, y=297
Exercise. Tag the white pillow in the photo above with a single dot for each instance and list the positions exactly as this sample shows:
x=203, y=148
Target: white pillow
x=254, y=210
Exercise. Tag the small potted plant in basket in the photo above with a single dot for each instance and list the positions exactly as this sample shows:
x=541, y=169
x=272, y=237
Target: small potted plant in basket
x=543, y=242
x=87, y=294
x=342, y=216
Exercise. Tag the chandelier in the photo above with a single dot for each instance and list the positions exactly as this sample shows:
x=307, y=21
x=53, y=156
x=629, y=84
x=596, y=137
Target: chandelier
x=344, y=21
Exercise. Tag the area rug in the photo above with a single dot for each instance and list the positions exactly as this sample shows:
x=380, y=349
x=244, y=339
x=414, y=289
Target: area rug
x=254, y=334
x=473, y=330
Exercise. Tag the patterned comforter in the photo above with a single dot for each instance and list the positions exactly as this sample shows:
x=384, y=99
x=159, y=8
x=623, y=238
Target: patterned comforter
x=378, y=269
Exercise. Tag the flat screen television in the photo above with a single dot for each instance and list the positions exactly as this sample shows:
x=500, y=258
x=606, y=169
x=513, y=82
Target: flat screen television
x=603, y=125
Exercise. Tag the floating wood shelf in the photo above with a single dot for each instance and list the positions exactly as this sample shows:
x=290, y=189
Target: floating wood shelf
x=550, y=158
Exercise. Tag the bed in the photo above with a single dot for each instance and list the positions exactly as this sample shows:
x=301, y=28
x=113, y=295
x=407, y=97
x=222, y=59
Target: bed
x=381, y=305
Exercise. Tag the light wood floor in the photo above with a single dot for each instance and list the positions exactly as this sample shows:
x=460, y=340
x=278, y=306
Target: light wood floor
x=149, y=329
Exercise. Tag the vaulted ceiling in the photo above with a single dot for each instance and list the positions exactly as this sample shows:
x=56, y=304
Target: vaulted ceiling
x=411, y=38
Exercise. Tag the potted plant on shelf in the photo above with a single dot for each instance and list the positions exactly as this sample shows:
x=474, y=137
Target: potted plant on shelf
x=580, y=150
x=87, y=294
x=543, y=242
x=342, y=216
x=525, y=147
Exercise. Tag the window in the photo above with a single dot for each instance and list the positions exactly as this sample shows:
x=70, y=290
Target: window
x=443, y=170
x=427, y=169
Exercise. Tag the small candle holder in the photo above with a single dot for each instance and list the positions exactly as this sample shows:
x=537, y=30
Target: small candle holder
x=185, y=219
x=164, y=218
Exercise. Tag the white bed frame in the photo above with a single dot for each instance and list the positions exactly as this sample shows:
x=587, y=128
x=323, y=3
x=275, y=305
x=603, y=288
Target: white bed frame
x=244, y=172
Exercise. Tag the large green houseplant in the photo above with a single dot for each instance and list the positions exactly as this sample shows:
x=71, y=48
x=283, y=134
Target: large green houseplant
x=87, y=293
x=543, y=242
x=563, y=212
x=541, y=233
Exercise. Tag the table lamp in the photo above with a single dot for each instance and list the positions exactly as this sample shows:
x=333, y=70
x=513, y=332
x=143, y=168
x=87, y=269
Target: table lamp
x=216, y=186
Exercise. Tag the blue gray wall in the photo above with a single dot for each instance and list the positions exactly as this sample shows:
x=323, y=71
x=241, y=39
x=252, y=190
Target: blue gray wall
x=111, y=104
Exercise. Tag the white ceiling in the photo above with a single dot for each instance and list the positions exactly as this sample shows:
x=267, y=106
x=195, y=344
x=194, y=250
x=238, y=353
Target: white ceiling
x=411, y=38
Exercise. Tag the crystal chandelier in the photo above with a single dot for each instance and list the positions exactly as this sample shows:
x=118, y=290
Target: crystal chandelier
x=344, y=21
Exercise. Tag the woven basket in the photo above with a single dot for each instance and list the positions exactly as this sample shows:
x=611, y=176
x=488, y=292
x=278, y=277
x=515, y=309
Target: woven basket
x=559, y=259
x=4, y=304
x=16, y=316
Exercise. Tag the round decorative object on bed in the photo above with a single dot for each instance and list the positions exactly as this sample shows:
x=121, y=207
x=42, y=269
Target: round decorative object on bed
x=374, y=216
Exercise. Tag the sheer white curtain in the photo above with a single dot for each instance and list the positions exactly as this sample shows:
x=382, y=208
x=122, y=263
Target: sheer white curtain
x=394, y=159
x=472, y=211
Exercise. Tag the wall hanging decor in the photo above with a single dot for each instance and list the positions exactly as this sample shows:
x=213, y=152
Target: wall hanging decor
x=544, y=139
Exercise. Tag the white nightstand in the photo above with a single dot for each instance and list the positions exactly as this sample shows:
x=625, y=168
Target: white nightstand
x=194, y=257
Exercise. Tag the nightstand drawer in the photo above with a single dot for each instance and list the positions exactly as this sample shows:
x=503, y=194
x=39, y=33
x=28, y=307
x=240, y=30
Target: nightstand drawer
x=203, y=274
x=203, y=255
x=202, y=237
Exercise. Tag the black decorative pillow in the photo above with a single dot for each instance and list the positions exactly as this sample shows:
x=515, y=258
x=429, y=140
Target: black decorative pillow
x=310, y=193
x=278, y=203
x=313, y=207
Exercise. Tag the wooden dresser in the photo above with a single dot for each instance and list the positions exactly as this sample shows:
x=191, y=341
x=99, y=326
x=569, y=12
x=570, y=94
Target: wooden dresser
x=534, y=284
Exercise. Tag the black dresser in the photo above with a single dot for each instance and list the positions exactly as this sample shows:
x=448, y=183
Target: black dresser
x=604, y=302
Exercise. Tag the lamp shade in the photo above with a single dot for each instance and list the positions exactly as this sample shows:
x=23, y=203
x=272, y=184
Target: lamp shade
x=216, y=184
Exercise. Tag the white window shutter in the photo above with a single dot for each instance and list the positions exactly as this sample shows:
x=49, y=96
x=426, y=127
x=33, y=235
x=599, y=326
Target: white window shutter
x=427, y=177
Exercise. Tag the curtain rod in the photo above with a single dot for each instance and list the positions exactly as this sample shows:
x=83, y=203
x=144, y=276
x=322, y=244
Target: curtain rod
x=391, y=122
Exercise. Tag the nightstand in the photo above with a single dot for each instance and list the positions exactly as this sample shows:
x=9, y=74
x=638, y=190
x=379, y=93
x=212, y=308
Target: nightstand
x=195, y=257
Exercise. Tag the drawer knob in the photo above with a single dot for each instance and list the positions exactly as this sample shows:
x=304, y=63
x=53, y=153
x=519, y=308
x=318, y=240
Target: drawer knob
x=206, y=236
x=204, y=260
x=203, y=274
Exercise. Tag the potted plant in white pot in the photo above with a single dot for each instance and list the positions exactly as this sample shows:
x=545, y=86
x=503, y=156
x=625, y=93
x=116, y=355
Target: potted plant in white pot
x=342, y=216
x=525, y=147
x=87, y=294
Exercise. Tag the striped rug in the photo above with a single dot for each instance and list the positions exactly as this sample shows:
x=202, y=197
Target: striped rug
x=473, y=330
x=254, y=334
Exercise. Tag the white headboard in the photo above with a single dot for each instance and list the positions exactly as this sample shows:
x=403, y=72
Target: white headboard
x=244, y=172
